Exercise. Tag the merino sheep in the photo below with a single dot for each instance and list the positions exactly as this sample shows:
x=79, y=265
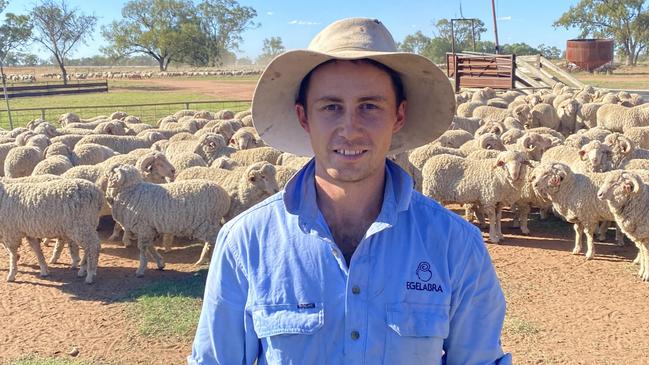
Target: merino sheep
x=246, y=138
x=246, y=186
x=63, y=208
x=490, y=183
x=592, y=157
x=209, y=146
x=92, y=153
x=544, y=115
x=623, y=149
x=574, y=197
x=250, y=156
x=187, y=208
x=617, y=118
x=628, y=199
x=123, y=144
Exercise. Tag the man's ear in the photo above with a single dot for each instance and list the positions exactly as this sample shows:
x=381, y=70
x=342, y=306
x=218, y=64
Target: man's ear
x=401, y=117
x=301, y=116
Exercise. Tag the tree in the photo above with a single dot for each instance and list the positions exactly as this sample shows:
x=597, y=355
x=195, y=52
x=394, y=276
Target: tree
x=14, y=32
x=221, y=24
x=60, y=29
x=273, y=46
x=158, y=28
x=463, y=31
x=415, y=43
x=626, y=21
x=550, y=52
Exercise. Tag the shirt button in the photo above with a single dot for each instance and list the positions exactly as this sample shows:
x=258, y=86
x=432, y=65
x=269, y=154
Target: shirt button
x=334, y=252
x=355, y=335
x=356, y=289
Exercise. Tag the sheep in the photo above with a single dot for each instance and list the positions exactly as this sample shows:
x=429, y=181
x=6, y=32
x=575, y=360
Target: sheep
x=21, y=160
x=118, y=115
x=574, y=197
x=488, y=141
x=495, y=127
x=47, y=129
x=64, y=208
x=247, y=121
x=250, y=156
x=511, y=136
x=68, y=118
x=112, y=127
x=69, y=140
x=498, y=103
x=466, y=109
x=246, y=138
x=595, y=156
x=123, y=144
x=617, y=117
x=528, y=199
x=544, y=115
x=490, y=183
x=92, y=153
x=567, y=112
x=454, y=138
x=225, y=114
x=225, y=162
x=135, y=129
x=490, y=113
x=226, y=128
x=627, y=198
x=185, y=160
x=468, y=124
x=533, y=145
x=209, y=146
x=623, y=149
x=638, y=135
x=283, y=174
x=242, y=114
x=246, y=186
x=58, y=158
x=188, y=208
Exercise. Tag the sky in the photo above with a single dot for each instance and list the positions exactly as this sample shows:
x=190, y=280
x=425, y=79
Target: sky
x=296, y=22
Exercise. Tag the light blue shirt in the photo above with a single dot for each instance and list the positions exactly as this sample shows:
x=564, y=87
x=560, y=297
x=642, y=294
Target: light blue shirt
x=420, y=288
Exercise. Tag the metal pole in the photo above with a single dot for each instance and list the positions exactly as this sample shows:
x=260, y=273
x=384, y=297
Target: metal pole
x=493, y=11
x=452, y=38
x=4, y=89
x=473, y=34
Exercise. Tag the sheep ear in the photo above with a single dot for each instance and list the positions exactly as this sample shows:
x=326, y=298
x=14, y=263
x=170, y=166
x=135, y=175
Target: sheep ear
x=631, y=183
x=582, y=155
x=252, y=178
x=499, y=163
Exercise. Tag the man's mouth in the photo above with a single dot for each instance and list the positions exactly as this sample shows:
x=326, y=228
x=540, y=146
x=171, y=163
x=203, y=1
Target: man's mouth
x=350, y=152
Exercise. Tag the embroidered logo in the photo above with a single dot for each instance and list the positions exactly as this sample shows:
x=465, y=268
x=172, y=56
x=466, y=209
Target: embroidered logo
x=423, y=271
x=424, y=274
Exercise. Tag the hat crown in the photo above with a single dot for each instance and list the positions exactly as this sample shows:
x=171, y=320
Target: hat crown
x=354, y=34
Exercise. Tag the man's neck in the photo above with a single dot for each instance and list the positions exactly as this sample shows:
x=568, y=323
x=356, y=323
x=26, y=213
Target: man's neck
x=349, y=208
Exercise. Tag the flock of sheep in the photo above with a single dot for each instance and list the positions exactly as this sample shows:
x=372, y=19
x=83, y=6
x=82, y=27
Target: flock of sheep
x=132, y=74
x=581, y=154
x=184, y=177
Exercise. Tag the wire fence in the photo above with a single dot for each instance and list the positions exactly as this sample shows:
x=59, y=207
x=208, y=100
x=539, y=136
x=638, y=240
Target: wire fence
x=148, y=113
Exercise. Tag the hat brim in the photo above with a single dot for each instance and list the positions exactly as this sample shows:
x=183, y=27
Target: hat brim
x=429, y=112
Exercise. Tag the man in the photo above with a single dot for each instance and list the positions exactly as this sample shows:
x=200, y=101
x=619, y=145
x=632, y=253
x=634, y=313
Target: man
x=349, y=265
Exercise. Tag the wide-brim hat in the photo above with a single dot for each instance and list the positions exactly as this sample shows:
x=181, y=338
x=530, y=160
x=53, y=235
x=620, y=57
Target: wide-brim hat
x=431, y=100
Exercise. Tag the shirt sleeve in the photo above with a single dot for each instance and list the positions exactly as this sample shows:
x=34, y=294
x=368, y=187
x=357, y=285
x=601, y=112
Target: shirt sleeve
x=477, y=307
x=225, y=334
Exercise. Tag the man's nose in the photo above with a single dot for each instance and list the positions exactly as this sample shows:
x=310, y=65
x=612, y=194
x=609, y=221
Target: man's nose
x=350, y=124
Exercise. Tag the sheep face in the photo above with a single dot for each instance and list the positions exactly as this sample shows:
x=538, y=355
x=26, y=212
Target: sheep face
x=620, y=147
x=597, y=154
x=262, y=176
x=535, y=144
x=156, y=168
x=120, y=177
x=512, y=163
x=490, y=141
x=619, y=187
x=209, y=146
x=547, y=179
x=522, y=113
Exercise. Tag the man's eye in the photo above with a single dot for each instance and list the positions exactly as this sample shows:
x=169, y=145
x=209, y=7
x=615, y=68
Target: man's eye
x=332, y=107
x=369, y=106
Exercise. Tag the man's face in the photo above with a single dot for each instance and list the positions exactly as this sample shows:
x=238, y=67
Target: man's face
x=351, y=117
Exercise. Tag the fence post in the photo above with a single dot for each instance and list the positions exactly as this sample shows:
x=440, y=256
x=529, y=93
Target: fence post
x=43, y=114
x=186, y=106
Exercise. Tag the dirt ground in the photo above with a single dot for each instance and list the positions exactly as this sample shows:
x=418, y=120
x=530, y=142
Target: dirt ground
x=562, y=309
x=220, y=90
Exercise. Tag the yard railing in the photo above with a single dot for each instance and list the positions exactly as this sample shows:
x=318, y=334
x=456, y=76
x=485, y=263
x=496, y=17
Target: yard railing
x=148, y=113
x=55, y=89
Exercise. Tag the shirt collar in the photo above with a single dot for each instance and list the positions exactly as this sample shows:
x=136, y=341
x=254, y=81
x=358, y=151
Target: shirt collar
x=300, y=195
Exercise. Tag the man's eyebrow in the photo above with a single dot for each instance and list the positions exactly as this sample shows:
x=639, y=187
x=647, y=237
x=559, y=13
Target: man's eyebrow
x=361, y=99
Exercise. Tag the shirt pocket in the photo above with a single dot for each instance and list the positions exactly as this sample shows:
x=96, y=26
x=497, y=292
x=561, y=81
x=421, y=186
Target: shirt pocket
x=286, y=331
x=415, y=333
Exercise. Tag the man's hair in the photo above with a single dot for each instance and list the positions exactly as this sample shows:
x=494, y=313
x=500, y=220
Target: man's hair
x=397, y=84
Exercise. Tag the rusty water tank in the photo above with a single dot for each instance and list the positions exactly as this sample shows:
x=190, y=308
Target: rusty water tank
x=589, y=54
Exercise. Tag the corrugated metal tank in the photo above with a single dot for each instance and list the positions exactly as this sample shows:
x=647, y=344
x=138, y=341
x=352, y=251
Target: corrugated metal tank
x=589, y=54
